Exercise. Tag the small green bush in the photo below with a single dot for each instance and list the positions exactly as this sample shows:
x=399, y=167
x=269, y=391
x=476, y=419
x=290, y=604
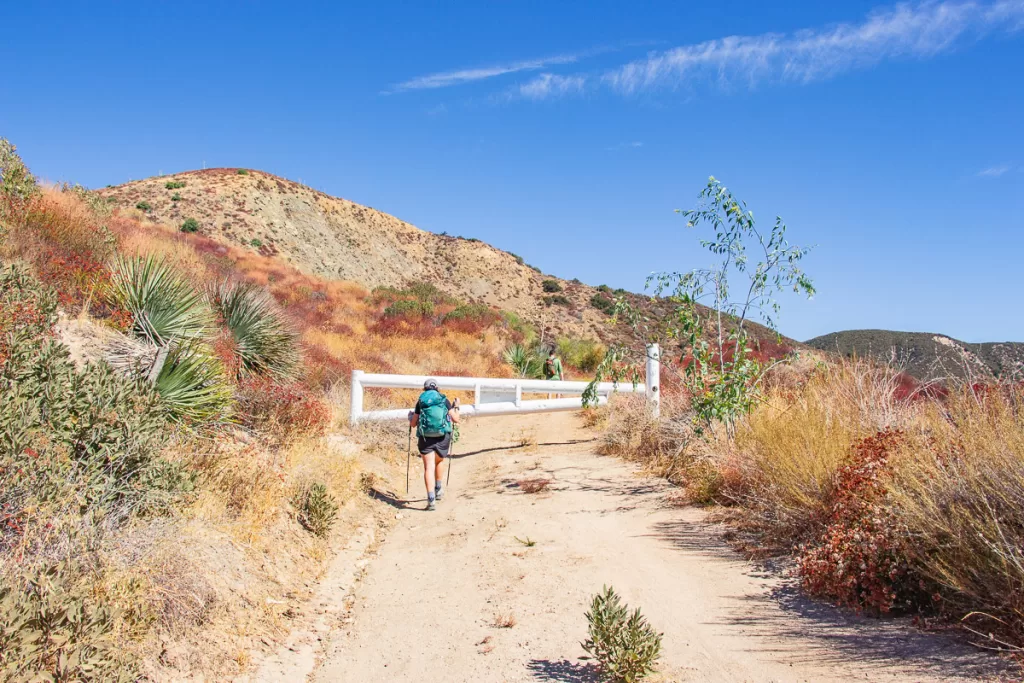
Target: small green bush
x=517, y=257
x=409, y=308
x=602, y=303
x=190, y=225
x=557, y=300
x=143, y=206
x=534, y=268
x=256, y=242
x=316, y=509
x=174, y=184
x=604, y=288
x=175, y=197
x=583, y=354
x=242, y=171
x=551, y=286
x=479, y=312
x=624, y=644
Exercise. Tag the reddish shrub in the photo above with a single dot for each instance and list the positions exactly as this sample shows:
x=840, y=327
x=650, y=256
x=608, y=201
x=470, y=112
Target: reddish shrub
x=861, y=560
x=323, y=369
x=75, y=276
x=281, y=409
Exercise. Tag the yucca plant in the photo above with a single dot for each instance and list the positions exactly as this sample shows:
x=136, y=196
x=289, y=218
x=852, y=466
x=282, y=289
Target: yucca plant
x=193, y=385
x=526, y=363
x=164, y=306
x=265, y=342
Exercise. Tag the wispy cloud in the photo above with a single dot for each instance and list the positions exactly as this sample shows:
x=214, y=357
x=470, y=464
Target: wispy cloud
x=548, y=85
x=447, y=79
x=624, y=145
x=994, y=171
x=905, y=31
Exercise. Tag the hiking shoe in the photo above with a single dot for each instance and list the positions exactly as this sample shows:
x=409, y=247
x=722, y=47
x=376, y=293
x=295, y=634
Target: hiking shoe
x=439, y=493
x=431, y=504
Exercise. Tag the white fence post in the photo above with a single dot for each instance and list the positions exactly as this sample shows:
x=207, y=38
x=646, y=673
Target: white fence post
x=654, y=379
x=356, y=409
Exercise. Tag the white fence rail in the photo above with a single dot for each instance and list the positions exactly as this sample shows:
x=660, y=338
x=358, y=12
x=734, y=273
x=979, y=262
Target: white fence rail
x=500, y=396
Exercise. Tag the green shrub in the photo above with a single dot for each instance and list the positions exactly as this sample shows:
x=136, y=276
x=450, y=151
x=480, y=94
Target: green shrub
x=409, y=308
x=50, y=634
x=88, y=437
x=265, y=342
x=534, y=268
x=604, y=288
x=256, y=242
x=524, y=329
x=242, y=171
x=316, y=509
x=551, y=286
x=177, y=198
x=190, y=225
x=603, y=304
x=583, y=354
x=517, y=257
x=624, y=644
x=557, y=300
x=143, y=206
x=15, y=180
x=174, y=184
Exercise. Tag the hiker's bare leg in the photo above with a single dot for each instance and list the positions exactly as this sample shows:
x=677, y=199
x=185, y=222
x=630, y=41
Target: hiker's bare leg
x=438, y=468
x=428, y=472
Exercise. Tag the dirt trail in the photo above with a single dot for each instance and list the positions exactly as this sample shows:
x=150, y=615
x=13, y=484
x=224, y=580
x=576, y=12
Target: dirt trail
x=429, y=604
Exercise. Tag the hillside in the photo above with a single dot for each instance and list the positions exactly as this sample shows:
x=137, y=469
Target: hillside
x=338, y=239
x=928, y=356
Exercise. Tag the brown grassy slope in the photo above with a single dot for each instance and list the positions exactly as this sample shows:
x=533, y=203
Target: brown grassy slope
x=338, y=239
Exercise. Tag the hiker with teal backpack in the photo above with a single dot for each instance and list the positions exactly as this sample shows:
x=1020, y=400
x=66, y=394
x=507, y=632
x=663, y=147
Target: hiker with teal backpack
x=434, y=418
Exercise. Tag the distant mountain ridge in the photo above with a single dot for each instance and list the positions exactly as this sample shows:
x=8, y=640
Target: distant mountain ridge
x=928, y=356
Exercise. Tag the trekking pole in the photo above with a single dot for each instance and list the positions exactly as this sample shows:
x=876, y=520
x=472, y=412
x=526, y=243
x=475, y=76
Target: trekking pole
x=408, y=461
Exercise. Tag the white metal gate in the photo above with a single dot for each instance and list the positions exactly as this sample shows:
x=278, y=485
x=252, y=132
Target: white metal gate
x=502, y=396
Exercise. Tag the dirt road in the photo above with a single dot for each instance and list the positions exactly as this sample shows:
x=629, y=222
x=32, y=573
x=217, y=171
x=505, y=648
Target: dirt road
x=457, y=594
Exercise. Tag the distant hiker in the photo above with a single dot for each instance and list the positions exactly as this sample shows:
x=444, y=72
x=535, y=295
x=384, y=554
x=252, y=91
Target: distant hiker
x=433, y=418
x=553, y=367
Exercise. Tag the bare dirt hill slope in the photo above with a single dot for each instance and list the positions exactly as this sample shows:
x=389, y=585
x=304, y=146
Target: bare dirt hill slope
x=339, y=239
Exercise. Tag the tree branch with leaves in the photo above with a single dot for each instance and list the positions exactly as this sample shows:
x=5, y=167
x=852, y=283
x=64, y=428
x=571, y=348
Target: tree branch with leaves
x=696, y=318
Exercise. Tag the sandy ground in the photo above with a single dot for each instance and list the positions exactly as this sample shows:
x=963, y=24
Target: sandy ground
x=433, y=600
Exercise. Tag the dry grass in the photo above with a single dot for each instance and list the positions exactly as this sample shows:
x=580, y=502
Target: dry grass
x=534, y=485
x=504, y=620
x=526, y=439
x=959, y=487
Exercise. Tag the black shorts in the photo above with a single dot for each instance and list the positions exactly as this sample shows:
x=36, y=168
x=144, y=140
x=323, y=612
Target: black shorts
x=439, y=444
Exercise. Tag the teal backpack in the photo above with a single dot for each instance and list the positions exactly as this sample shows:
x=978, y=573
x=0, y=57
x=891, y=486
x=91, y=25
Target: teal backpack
x=433, y=414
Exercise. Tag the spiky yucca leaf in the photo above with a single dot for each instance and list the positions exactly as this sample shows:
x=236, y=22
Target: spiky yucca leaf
x=265, y=342
x=193, y=385
x=525, y=362
x=164, y=307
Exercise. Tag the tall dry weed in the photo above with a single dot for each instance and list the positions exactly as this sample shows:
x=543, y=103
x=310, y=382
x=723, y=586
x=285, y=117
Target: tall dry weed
x=789, y=449
x=960, y=489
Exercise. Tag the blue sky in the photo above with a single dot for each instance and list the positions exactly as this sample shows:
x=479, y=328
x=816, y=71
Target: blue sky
x=889, y=136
